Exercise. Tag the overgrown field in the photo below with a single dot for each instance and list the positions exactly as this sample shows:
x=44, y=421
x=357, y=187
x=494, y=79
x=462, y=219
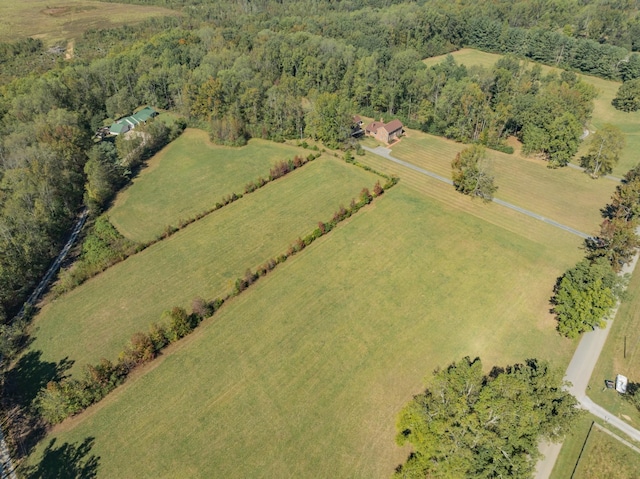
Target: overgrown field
x=303, y=374
x=604, y=456
x=565, y=195
x=97, y=319
x=603, y=111
x=58, y=21
x=189, y=176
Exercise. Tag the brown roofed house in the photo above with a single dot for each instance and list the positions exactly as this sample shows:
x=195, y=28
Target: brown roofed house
x=385, y=132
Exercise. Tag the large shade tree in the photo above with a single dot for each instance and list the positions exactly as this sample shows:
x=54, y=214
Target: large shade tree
x=469, y=424
x=604, y=150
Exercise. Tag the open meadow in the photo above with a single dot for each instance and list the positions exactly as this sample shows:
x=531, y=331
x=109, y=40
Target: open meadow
x=303, y=374
x=603, y=111
x=57, y=22
x=188, y=177
x=97, y=319
x=565, y=195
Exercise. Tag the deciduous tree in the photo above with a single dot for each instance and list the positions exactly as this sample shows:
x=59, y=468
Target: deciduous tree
x=471, y=175
x=604, y=150
x=468, y=424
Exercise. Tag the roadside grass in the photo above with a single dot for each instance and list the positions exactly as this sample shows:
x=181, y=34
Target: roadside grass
x=565, y=195
x=603, y=111
x=189, y=176
x=303, y=375
x=97, y=319
x=613, y=361
x=58, y=21
x=604, y=456
x=571, y=448
x=590, y=453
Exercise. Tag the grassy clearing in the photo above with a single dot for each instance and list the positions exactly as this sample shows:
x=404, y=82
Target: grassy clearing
x=96, y=319
x=303, y=375
x=604, y=456
x=189, y=176
x=59, y=21
x=571, y=448
x=603, y=112
x=564, y=195
x=613, y=361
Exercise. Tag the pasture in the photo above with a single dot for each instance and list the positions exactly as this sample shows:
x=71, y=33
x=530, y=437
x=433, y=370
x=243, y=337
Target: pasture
x=303, y=374
x=97, y=319
x=189, y=176
x=603, y=111
x=565, y=195
x=57, y=22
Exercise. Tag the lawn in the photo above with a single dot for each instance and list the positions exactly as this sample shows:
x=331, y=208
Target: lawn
x=303, y=375
x=565, y=195
x=189, y=176
x=96, y=319
x=57, y=22
x=626, y=327
x=603, y=112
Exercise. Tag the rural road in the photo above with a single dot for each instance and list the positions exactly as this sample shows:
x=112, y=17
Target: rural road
x=6, y=465
x=578, y=374
x=386, y=153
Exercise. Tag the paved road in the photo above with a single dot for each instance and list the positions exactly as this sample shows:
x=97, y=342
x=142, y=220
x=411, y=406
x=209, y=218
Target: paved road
x=578, y=374
x=6, y=465
x=386, y=153
x=608, y=177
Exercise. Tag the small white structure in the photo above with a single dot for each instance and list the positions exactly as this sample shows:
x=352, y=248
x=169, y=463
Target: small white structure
x=621, y=383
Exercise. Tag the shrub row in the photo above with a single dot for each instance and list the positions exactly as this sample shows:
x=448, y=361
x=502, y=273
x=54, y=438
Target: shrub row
x=114, y=248
x=69, y=396
x=64, y=398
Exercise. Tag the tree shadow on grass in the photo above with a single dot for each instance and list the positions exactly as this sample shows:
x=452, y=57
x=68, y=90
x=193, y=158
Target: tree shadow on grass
x=69, y=461
x=30, y=374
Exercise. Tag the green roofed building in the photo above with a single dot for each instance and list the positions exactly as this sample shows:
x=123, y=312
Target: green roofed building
x=127, y=123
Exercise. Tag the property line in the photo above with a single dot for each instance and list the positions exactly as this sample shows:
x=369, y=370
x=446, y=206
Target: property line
x=386, y=153
x=614, y=435
x=584, y=444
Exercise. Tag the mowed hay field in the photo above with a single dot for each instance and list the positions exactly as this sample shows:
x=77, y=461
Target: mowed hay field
x=188, y=177
x=303, y=374
x=565, y=195
x=603, y=111
x=57, y=21
x=97, y=319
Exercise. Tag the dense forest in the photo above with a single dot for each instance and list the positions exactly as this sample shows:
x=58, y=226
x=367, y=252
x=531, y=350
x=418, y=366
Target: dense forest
x=278, y=70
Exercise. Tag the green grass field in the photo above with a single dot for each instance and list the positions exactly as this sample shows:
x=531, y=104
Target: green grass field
x=603, y=112
x=604, y=456
x=56, y=22
x=613, y=361
x=189, y=176
x=565, y=195
x=303, y=375
x=96, y=319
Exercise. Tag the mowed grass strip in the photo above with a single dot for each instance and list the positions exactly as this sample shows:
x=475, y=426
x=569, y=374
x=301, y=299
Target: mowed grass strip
x=304, y=374
x=56, y=21
x=565, y=195
x=498, y=215
x=188, y=177
x=603, y=111
x=97, y=319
